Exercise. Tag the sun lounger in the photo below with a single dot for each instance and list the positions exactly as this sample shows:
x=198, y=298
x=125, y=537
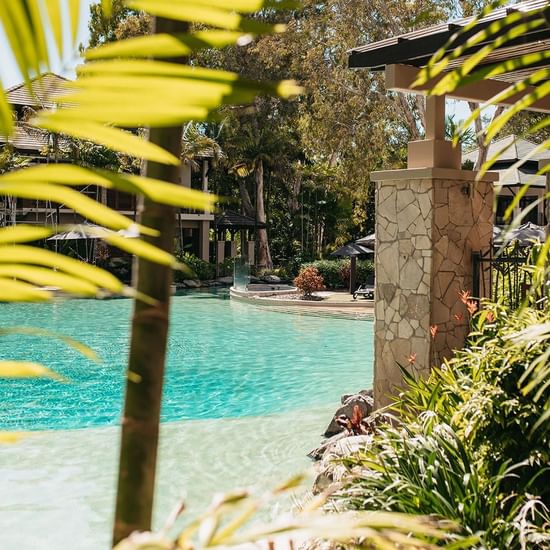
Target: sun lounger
x=366, y=291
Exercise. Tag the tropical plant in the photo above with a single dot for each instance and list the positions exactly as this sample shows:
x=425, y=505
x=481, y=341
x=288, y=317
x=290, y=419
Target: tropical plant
x=197, y=268
x=472, y=440
x=309, y=280
x=227, y=523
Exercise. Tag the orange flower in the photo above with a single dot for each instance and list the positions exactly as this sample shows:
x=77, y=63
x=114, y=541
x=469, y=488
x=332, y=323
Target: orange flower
x=412, y=358
x=458, y=316
x=472, y=306
x=464, y=296
x=490, y=316
x=433, y=331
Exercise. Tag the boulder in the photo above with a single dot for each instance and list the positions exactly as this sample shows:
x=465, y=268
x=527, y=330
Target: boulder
x=364, y=393
x=318, y=452
x=272, y=279
x=225, y=280
x=190, y=283
x=331, y=468
x=363, y=400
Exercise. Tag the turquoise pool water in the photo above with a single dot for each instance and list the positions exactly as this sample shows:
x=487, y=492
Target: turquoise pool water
x=225, y=360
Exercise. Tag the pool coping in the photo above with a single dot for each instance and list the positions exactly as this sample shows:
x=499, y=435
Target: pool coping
x=365, y=307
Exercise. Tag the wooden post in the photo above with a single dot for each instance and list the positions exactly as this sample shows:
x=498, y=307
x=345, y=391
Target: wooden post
x=352, y=274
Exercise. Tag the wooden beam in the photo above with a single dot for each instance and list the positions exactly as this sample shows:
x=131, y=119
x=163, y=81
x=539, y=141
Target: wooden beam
x=401, y=77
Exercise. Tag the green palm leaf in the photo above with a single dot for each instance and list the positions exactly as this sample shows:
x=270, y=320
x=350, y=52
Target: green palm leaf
x=167, y=45
x=206, y=14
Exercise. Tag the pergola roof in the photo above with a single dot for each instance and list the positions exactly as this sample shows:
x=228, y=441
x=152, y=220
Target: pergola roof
x=414, y=49
x=231, y=220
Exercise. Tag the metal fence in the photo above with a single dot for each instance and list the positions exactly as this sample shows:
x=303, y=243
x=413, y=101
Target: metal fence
x=502, y=275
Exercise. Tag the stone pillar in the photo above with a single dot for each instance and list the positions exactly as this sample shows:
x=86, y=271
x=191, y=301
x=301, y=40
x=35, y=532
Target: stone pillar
x=428, y=222
x=233, y=249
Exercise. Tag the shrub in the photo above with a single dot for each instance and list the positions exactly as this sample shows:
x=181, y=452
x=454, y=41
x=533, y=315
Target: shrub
x=335, y=273
x=225, y=268
x=309, y=280
x=199, y=268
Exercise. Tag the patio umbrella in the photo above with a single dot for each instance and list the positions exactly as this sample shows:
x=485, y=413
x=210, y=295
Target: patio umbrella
x=352, y=250
x=82, y=231
x=369, y=240
x=525, y=235
x=90, y=231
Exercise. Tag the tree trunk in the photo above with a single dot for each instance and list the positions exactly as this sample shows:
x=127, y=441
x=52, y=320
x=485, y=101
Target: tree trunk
x=249, y=210
x=140, y=422
x=264, y=256
x=480, y=135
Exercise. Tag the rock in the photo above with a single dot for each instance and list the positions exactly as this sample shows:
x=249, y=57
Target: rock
x=255, y=280
x=365, y=393
x=215, y=283
x=190, y=283
x=330, y=467
x=363, y=400
x=318, y=452
x=272, y=279
x=225, y=280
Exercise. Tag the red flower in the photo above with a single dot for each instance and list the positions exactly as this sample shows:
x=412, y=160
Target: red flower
x=412, y=358
x=433, y=331
x=464, y=296
x=458, y=316
x=472, y=306
x=490, y=316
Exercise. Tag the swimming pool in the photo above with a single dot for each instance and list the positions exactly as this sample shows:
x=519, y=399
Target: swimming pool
x=225, y=360
x=247, y=394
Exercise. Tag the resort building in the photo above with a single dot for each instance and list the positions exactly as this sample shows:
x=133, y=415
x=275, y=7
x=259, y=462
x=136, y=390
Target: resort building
x=516, y=166
x=37, y=146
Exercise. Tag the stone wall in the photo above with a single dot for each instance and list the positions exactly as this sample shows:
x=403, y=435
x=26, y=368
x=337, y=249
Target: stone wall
x=426, y=230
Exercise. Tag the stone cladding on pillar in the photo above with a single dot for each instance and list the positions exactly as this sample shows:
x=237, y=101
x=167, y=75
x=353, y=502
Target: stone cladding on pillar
x=426, y=229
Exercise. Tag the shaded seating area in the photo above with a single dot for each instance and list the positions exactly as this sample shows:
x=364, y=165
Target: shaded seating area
x=227, y=226
x=352, y=251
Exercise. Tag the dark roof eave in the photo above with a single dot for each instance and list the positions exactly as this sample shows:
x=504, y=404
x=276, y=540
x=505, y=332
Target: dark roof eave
x=417, y=47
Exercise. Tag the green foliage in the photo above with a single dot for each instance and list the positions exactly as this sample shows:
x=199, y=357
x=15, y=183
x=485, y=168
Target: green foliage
x=474, y=443
x=233, y=520
x=197, y=268
x=336, y=272
x=9, y=160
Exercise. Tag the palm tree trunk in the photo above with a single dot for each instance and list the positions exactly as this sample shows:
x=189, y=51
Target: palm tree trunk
x=140, y=422
x=264, y=255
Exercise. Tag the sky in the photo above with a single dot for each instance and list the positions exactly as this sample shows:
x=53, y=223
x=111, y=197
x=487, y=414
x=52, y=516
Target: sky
x=9, y=73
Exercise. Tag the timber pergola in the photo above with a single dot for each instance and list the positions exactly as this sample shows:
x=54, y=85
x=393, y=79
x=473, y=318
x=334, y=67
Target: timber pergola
x=402, y=56
x=233, y=222
x=433, y=216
